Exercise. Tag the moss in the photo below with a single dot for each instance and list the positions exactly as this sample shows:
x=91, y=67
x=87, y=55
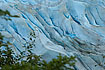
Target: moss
x=15, y=16
x=7, y=18
x=1, y=12
x=103, y=56
x=4, y=13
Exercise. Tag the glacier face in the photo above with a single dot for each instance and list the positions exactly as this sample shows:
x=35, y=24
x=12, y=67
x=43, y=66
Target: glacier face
x=70, y=27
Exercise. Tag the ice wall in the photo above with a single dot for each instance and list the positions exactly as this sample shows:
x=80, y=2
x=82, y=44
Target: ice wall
x=70, y=27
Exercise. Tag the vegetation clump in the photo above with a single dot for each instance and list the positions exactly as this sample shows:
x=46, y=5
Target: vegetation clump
x=9, y=61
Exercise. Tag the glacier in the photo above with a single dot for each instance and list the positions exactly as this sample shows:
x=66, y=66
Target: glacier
x=69, y=27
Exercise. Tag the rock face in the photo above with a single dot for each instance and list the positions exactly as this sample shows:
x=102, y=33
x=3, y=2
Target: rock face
x=69, y=27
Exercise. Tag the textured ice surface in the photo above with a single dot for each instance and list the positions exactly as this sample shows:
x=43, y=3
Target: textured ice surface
x=70, y=27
